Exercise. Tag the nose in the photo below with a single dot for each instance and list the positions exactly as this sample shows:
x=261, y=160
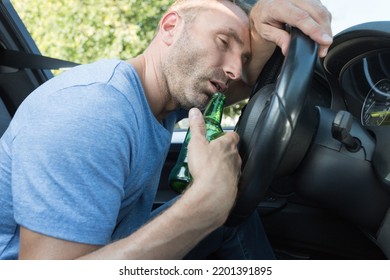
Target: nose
x=233, y=68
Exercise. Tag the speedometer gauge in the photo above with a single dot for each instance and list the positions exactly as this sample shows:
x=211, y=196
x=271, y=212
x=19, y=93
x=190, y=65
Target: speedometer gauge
x=376, y=107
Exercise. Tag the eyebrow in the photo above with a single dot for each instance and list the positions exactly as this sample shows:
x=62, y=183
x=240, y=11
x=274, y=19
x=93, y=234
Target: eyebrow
x=231, y=32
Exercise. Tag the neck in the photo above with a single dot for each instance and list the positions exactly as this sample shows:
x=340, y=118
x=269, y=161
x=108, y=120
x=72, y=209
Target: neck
x=154, y=85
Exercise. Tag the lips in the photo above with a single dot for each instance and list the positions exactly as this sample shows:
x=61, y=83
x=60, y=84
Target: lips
x=219, y=86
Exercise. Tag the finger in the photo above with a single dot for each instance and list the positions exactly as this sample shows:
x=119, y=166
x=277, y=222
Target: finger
x=231, y=136
x=321, y=30
x=279, y=36
x=317, y=11
x=323, y=51
x=309, y=16
x=282, y=39
x=197, y=125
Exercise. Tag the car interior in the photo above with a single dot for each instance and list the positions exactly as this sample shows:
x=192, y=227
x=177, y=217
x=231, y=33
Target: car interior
x=315, y=137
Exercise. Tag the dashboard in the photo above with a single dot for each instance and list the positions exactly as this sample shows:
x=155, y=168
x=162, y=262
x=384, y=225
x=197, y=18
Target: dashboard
x=359, y=60
x=375, y=110
x=366, y=84
x=358, y=70
x=347, y=167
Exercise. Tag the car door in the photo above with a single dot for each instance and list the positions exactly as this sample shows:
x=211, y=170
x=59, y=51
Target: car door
x=16, y=81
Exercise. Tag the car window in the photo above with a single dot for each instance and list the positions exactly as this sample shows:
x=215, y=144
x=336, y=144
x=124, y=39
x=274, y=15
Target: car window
x=347, y=13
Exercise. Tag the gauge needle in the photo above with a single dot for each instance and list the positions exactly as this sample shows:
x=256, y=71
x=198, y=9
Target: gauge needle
x=379, y=114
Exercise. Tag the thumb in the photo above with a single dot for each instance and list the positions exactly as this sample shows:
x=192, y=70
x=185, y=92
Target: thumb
x=198, y=143
x=197, y=125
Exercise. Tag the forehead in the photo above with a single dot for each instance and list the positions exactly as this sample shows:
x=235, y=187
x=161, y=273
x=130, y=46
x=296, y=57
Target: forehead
x=222, y=8
x=223, y=16
x=223, y=11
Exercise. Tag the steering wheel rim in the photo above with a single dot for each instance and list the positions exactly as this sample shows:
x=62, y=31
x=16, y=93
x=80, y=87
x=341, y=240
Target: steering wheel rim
x=269, y=120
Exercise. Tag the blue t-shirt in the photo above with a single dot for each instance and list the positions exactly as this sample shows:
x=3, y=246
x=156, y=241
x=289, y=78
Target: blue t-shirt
x=81, y=159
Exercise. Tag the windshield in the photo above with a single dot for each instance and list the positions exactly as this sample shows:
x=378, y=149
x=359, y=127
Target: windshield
x=347, y=13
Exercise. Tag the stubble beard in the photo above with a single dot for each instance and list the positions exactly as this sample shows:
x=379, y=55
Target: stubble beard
x=185, y=73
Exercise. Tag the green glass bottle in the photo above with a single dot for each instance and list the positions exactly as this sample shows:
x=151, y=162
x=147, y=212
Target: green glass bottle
x=180, y=176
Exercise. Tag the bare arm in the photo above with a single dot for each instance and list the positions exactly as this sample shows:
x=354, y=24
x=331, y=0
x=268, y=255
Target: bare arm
x=201, y=209
x=35, y=246
x=169, y=236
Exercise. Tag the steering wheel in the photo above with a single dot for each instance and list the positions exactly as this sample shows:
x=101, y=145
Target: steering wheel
x=267, y=124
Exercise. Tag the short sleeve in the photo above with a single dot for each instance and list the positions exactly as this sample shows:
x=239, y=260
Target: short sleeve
x=70, y=161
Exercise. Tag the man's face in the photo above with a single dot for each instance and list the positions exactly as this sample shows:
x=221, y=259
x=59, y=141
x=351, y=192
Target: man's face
x=208, y=54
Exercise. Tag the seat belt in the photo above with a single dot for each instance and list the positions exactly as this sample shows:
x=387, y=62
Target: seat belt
x=19, y=59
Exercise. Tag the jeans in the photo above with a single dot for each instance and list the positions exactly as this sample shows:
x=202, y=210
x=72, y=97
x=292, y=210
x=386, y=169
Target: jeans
x=247, y=241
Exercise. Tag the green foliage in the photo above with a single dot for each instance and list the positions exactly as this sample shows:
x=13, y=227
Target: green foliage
x=84, y=31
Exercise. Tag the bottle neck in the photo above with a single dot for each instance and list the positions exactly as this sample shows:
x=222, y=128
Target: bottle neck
x=214, y=109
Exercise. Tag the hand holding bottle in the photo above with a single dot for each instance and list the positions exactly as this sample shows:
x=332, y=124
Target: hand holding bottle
x=215, y=167
x=180, y=176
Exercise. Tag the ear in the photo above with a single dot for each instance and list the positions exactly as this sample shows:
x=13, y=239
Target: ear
x=168, y=27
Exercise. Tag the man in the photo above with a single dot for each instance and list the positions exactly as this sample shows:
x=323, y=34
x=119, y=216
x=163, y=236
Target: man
x=81, y=159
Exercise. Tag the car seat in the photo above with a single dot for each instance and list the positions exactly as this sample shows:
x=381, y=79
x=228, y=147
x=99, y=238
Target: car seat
x=5, y=117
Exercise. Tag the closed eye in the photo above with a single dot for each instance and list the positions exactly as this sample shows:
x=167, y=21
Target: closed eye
x=245, y=58
x=223, y=43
